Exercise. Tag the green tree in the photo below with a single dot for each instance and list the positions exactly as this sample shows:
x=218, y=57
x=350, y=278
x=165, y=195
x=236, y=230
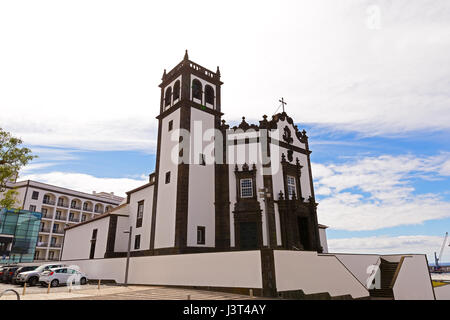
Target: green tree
x=9, y=200
x=12, y=158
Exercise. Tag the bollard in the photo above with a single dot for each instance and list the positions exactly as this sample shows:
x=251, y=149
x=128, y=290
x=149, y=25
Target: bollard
x=251, y=293
x=24, y=288
x=48, y=288
x=98, y=286
x=189, y=297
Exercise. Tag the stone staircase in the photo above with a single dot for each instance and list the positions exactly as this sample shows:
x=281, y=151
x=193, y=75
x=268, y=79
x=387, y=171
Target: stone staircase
x=388, y=272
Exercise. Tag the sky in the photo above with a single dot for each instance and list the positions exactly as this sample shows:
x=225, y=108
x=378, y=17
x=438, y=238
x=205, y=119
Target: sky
x=368, y=80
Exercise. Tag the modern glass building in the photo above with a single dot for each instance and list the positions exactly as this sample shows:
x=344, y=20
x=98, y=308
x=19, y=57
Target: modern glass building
x=19, y=230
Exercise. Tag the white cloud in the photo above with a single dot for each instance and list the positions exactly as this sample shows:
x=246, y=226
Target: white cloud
x=86, y=74
x=418, y=244
x=87, y=183
x=377, y=192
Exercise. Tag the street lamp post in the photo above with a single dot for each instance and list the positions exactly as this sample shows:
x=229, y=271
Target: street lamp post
x=128, y=255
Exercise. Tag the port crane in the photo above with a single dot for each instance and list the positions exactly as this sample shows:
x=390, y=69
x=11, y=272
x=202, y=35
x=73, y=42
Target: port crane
x=438, y=259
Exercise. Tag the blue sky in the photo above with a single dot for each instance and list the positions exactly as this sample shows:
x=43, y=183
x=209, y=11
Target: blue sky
x=368, y=80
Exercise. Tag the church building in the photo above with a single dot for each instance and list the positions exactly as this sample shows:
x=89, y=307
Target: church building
x=215, y=188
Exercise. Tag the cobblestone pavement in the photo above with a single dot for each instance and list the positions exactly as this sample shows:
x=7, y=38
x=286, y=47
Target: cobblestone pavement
x=165, y=293
x=115, y=292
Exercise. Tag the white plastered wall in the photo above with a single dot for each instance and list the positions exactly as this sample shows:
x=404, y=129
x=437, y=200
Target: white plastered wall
x=167, y=193
x=201, y=208
x=313, y=273
x=413, y=281
x=145, y=195
x=77, y=241
x=227, y=269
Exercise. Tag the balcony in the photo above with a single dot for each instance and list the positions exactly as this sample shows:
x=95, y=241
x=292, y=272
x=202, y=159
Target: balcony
x=98, y=210
x=61, y=218
x=58, y=231
x=73, y=206
x=42, y=245
x=74, y=219
x=87, y=209
x=55, y=245
x=46, y=230
x=48, y=201
x=62, y=204
x=47, y=216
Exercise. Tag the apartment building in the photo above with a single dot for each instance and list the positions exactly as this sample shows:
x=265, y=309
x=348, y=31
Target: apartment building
x=60, y=208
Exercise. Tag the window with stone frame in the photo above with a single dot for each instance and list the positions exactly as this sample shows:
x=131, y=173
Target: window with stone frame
x=137, y=241
x=35, y=195
x=209, y=94
x=140, y=214
x=167, y=177
x=292, y=186
x=176, y=90
x=201, y=231
x=197, y=89
x=168, y=97
x=246, y=188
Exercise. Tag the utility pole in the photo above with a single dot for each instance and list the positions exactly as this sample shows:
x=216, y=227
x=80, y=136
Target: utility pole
x=128, y=256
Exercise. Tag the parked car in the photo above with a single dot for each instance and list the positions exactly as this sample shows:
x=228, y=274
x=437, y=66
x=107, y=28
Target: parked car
x=1, y=273
x=20, y=270
x=4, y=272
x=8, y=274
x=63, y=275
x=32, y=277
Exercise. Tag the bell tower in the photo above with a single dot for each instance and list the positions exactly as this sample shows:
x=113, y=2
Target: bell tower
x=183, y=217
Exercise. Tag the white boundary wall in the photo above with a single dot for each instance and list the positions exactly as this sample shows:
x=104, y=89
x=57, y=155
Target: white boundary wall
x=313, y=273
x=413, y=281
x=229, y=269
x=442, y=292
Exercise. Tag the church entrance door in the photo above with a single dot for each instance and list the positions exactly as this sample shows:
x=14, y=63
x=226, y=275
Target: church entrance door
x=248, y=234
x=303, y=224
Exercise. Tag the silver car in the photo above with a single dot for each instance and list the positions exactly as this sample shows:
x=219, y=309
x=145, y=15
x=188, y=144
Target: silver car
x=65, y=275
x=32, y=277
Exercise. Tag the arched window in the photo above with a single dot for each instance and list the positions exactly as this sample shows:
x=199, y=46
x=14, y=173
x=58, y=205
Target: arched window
x=176, y=90
x=168, y=97
x=197, y=89
x=209, y=94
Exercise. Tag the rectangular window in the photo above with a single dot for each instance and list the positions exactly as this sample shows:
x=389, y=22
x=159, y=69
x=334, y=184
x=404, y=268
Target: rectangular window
x=83, y=218
x=246, y=188
x=58, y=215
x=291, y=185
x=200, y=235
x=137, y=241
x=167, y=177
x=170, y=125
x=94, y=234
x=202, y=159
x=35, y=195
x=140, y=214
x=51, y=255
x=44, y=211
x=32, y=208
x=55, y=228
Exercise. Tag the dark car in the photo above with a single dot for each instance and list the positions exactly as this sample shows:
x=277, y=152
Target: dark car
x=4, y=273
x=8, y=273
x=1, y=273
x=20, y=270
